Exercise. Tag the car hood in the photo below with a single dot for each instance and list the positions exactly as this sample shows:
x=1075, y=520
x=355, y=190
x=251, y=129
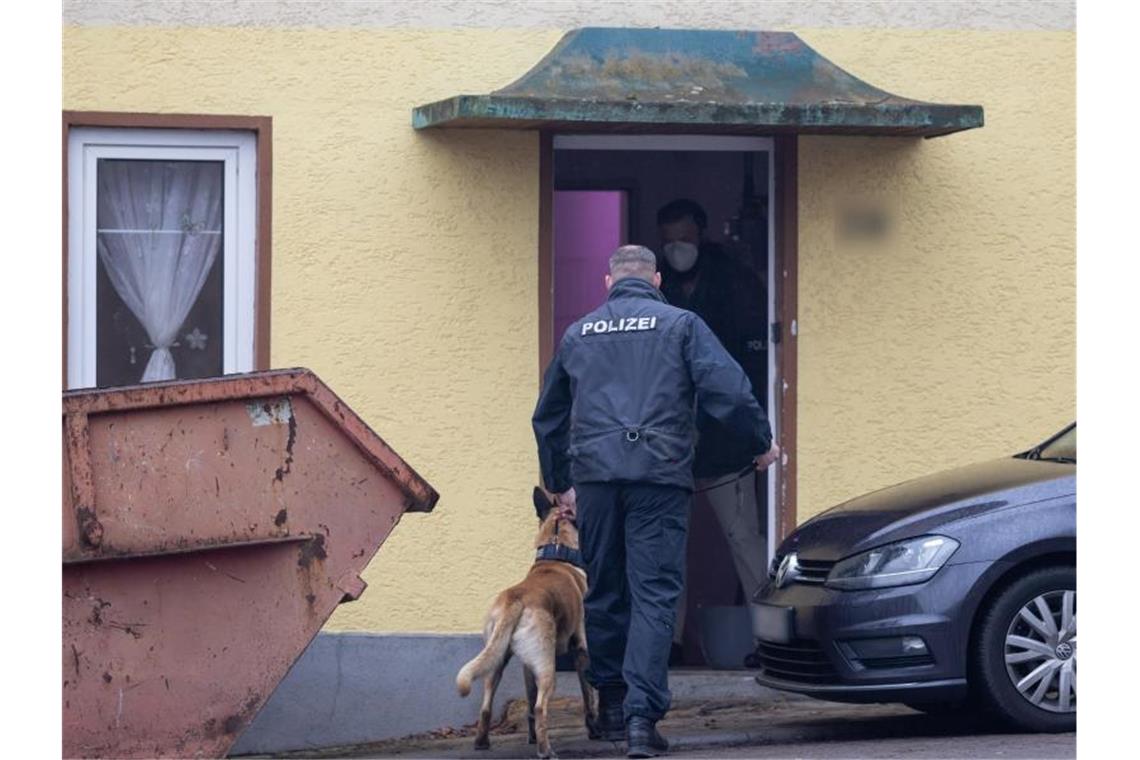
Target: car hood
x=922, y=505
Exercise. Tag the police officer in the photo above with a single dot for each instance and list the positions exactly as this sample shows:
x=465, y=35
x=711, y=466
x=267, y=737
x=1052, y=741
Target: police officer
x=615, y=430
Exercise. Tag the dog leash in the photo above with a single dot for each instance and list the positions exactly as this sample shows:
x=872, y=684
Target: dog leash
x=735, y=477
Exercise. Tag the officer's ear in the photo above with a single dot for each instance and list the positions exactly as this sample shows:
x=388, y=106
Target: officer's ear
x=657, y=280
x=542, y=503
x=609, y=282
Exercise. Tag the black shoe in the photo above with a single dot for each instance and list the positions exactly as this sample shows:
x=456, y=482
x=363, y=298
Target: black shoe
x=610, y=725
x=642, y=738
x=752, y=659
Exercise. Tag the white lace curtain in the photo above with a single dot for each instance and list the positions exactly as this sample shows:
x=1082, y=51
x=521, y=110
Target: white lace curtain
x=159, y=231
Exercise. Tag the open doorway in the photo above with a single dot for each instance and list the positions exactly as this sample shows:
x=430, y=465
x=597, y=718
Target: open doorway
x=611, y=190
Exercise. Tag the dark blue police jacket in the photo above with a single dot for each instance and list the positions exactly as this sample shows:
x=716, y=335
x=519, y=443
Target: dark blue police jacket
x=620, y=397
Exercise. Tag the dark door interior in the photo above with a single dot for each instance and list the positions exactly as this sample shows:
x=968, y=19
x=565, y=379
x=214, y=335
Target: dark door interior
x=605, y=198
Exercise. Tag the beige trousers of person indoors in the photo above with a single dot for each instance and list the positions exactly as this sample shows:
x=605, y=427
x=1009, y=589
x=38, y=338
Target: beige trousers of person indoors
x=738, y=512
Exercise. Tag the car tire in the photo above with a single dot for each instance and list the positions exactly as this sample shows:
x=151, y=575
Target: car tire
x=1014, y=623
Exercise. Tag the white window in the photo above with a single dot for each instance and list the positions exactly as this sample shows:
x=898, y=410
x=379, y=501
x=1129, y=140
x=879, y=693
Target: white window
x=161, y=254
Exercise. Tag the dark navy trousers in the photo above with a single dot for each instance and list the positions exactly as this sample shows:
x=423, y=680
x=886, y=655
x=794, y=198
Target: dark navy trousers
x=633, y=544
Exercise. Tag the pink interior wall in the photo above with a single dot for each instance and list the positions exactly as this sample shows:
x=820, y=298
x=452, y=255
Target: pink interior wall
x=588, y=226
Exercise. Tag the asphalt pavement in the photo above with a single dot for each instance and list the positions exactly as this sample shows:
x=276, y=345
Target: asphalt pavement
x=794, y=728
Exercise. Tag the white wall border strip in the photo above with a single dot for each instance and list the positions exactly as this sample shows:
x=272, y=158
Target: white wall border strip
x=1055, y=15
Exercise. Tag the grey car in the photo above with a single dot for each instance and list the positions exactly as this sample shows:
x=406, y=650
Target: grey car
x=953, y=591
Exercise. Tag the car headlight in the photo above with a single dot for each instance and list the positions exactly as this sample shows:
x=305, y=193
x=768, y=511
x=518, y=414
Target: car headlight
x=912, y=561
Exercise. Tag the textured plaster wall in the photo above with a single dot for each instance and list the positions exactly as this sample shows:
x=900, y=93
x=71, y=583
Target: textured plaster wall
x=955, y=339
x=404, y=266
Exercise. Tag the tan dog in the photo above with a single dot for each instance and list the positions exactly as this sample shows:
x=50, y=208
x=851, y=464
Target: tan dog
x=537, y=619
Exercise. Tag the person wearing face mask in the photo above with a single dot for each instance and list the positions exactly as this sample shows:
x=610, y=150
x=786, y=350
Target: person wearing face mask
x=700, y=276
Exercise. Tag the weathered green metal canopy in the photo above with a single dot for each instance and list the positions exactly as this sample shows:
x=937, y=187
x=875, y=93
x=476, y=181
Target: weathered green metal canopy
x=658, y=80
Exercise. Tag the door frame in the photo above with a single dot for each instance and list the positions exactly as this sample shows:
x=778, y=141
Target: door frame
x=782, y=278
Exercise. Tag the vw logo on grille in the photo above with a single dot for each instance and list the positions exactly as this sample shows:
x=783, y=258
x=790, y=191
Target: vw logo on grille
x=788, y=571
x=1064, y=650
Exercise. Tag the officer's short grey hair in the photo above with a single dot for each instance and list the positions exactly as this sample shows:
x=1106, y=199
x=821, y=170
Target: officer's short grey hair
x=633, y=261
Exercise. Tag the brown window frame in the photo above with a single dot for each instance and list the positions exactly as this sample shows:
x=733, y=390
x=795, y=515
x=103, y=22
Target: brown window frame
x=262, y=127
x=787, y=268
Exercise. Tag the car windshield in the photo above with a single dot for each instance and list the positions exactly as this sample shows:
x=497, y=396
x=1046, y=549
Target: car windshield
x=1063, y=448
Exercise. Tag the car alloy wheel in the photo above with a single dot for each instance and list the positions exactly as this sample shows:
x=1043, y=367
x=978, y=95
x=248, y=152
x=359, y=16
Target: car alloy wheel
x=1041, y=651
x=1013, y=672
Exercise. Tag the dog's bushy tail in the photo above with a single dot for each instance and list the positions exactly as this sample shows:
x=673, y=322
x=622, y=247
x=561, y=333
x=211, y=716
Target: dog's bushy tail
x=494, y=651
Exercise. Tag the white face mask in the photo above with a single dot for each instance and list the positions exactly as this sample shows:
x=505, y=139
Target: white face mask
x=681, y=255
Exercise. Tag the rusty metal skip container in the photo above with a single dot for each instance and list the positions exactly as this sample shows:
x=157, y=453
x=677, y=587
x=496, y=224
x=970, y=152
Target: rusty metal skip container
x=210, y=528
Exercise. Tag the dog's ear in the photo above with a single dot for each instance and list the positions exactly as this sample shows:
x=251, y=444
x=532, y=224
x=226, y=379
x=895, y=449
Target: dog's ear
x=542, y=503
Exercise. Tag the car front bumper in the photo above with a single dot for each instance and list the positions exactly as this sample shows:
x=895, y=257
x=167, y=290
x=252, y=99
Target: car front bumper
x=830, y=628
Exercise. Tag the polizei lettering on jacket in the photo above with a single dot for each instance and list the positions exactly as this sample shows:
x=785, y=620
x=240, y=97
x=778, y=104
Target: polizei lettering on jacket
x=625, y=324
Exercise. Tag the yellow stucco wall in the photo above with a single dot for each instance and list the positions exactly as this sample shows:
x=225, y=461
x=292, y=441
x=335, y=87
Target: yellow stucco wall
x=956, y=339
x=404, y=266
